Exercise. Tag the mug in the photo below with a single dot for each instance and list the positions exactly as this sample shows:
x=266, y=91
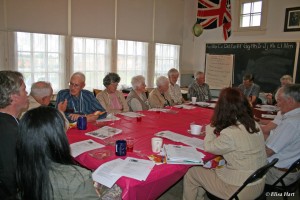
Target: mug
x=121, y=148
x=82, y=123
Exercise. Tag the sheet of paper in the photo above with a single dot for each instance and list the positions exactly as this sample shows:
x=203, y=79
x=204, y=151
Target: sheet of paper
x=268, y=116
x=104, y=132
x=191, y=141
x=84, y=146
x=184, y=106
x=131, y=114
x=134, y=168
x=109, y=118
x=103, y=173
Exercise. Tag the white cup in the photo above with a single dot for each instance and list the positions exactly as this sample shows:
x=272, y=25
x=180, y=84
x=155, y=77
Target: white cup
x=194, y=99
x=195, y=129
x=156, y=143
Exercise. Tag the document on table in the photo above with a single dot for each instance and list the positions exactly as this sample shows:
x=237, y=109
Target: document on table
x=177, y=154
x=131, y=114
x=108, y=173
x=109, y=118
x=191, y=141
x=104, y=132
x=184, y=106
x=84, y=146
x=268, y=116
x=103, y=173
x=134, y=168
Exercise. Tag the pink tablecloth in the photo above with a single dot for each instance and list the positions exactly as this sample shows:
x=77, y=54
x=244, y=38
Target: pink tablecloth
x=162, y=176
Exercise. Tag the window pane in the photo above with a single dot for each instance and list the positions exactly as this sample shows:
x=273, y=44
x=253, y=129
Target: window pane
x=245, y=22
x=39, y=42
x=246, y=7
x=257, y=6
x=256, y=20
x=23, y=41
x=38, y=55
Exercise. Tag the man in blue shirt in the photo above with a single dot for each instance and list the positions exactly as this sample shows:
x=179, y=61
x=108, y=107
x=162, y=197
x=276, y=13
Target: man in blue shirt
x=76, y=101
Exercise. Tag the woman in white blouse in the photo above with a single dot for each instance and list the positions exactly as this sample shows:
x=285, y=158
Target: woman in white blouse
x=137, y=99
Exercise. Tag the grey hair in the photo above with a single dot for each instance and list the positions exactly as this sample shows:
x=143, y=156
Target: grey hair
x=10, y=83
x=287, y=77
x=196, y=74
x=80, y=74
x=161, y=80
x=293, y=91
x=111, y=78
x=41, y=89
x=137, y=81
x=172, y=71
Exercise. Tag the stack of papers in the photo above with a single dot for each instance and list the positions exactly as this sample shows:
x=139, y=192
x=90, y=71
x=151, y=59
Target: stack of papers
x=184, y=106
x=104, y=132
x=84, y=146
x=131, y=114
x=163, y=110
x=108, y=173
x=177, y=154
x=191, y=141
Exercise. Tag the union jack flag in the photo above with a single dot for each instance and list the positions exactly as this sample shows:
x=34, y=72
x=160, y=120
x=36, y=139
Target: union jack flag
x=215, y=13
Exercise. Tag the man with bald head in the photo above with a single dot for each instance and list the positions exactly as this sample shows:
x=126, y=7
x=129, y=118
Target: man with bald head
x=77, y=101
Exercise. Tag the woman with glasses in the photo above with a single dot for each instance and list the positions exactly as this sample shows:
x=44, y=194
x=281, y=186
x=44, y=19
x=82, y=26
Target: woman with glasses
x=112, y=99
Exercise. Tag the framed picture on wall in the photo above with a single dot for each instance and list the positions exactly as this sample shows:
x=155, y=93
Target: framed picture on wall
x=292, y=19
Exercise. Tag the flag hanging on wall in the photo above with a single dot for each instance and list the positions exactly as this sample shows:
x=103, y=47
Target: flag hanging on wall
x=215, y=13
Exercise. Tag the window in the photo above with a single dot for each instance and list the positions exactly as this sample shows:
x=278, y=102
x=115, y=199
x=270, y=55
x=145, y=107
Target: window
x=92, y=57
x=40, y=57
x=132, y=60
x=166, y=57
x=252, y=15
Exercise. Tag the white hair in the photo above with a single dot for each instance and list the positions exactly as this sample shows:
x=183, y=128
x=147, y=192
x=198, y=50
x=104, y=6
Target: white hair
x=172, y=71
x=137, y=81
x=161, y=81
x=80, y=74
x=41, y=89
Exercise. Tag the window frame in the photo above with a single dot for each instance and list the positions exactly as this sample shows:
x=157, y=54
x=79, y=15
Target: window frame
x=252, y=29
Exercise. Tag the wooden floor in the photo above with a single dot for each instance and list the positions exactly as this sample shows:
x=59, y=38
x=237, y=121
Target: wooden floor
x=175, y=193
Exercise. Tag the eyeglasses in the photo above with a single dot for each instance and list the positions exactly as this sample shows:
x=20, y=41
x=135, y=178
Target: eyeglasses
x=74, y=85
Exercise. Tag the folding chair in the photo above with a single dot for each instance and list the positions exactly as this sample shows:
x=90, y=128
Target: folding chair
x=258, y=174
x=283, y=187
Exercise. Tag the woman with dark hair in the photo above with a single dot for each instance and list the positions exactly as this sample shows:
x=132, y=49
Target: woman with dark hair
x=112, y=99
x=45, y=168
x=234, y=134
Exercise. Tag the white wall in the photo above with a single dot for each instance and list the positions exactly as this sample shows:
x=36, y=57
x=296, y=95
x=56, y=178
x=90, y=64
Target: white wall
x=193, y=48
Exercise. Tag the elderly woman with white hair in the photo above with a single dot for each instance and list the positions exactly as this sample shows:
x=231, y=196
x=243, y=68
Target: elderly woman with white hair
x=174, y=89
x=137, y=99
x=160, y=97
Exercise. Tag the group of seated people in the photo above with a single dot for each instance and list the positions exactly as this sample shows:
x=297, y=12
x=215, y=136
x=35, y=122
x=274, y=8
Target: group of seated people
x=35, y=160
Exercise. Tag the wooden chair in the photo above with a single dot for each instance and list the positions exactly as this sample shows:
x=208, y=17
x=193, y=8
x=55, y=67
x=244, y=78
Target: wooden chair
x=258, y=174
x=96, y=91
x=283, y=188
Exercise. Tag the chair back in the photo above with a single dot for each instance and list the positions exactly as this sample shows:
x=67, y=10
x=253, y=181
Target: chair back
x=96, y=91
x=295, y=165
x=258, y=174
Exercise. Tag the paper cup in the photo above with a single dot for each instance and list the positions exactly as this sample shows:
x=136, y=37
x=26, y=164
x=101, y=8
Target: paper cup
x=195, y=129
x=156, y=144
x=194, y=99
